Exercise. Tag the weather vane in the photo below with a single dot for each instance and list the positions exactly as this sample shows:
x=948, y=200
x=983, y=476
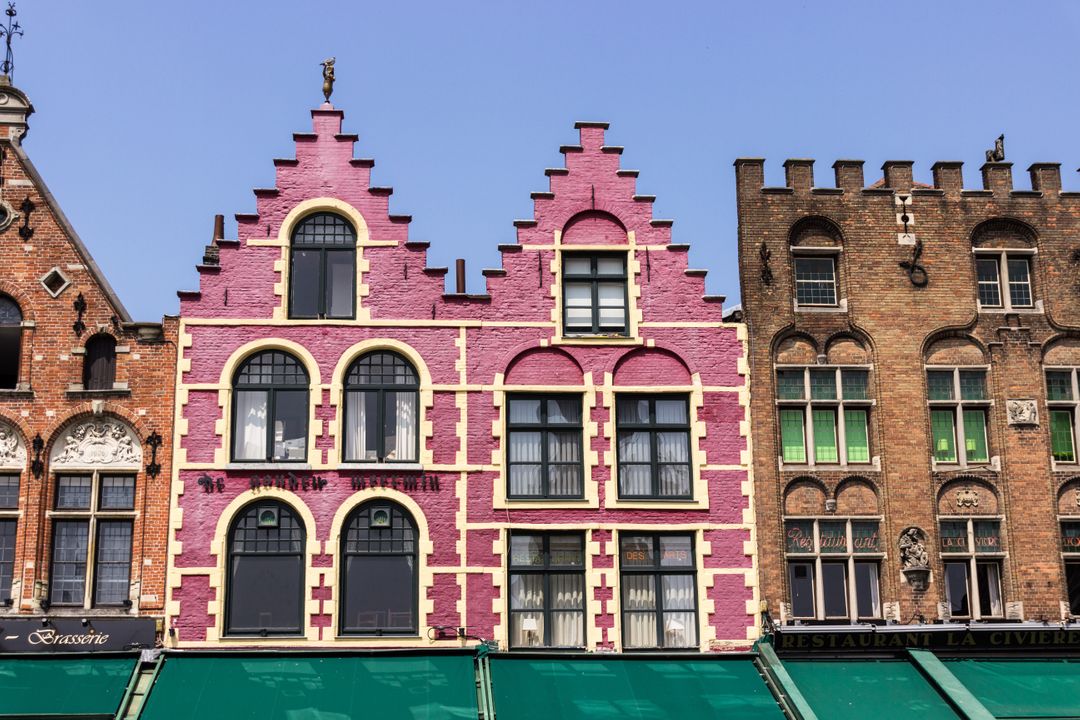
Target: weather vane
x=328, y=77
x=9, y=33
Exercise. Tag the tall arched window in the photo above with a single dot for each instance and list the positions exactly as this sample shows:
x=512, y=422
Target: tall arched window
x=10, y=342
x=265, y=593
x=382, y=399
x=322, y=272
x=99, y=364
x=270, y=409
x=379, y=571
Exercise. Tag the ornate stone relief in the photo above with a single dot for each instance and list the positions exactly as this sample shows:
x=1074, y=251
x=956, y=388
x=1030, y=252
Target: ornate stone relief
x=12, y=449
x=1022, y=412
x=914, y=558
x=967, y=498
x=97, y=442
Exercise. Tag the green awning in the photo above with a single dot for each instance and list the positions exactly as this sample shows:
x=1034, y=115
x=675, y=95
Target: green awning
x=861, y=689
x=299, y=686
x=63, y=687
x=631, y=687
x=1028, y=688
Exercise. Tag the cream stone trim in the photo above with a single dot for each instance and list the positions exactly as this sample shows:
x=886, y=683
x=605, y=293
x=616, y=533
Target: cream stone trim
x=404, y=322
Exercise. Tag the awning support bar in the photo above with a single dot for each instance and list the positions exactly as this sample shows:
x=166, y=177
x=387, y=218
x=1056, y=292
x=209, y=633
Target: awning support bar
x=946, y=683
x=782, y=685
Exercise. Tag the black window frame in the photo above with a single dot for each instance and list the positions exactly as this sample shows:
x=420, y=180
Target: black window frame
x=272, y=389
x=350, y=385
x=99, y=363
x=7, y=557
x=354, y=516
x=658, y=571
x=544, y=428
x=230, y=553
x=322, y=248
x=547, y=570
x=594, y=278
x=11, y=332
x=654, y=428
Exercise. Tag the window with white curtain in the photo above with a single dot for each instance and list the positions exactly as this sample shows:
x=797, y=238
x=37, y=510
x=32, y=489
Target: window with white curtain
x=654, y=446
x=544, y=452
x=270, y=409
x=547, y=590
x=659, y=591
x=594, y=294
x=972, y=554
x=382, y=402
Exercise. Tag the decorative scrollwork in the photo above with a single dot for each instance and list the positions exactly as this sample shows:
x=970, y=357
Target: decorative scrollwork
x=79, y=306
x=153, y=469
x=766, y=272
x=25, y=231
x=915, y=271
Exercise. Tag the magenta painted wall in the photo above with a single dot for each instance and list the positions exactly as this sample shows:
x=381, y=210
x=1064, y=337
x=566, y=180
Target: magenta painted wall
x=512, y=337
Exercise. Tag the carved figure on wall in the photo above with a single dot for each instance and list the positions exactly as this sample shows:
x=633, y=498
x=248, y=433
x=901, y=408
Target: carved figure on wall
x=1022, y=412
x=998, y=153
x=99, y=443
x=328, y=77
x=12, y=451
x=913, y=549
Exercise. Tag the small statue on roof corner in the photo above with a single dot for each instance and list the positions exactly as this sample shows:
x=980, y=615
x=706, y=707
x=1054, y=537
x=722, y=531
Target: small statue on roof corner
x=998, y=153
x=328, y=78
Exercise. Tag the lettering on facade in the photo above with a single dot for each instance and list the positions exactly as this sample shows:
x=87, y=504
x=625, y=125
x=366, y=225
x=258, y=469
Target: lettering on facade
x=1048, y=639
x=406, y=483
x=211, y=485
x=290, y=481
x=49, y=636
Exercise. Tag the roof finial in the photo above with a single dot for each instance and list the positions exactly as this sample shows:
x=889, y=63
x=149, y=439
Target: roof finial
x=327, y=77
x=998, y=153
x=8, y=33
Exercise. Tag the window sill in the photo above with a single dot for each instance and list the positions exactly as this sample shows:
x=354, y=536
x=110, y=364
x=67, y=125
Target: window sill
x=268, y=636
x=381, y=636
x=406, y=467
x=280, y=466
x=16, y=393
x=79, y=392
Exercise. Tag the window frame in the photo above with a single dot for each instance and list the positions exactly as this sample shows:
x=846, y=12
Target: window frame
x=831, y=254
x=322, y=248
x=1070, y=406
x=547, y=570
x=380, y=389
x=839, y=404
x=1001, y=257
x=93, y=515
x=958, y=405
x=815, y=558
x=9, y=515
x=974, y=557
x=658, y=571
x=544, y=428
x=228, y=582
x=1069, y=558
x=594, y=279
x=15, y=330
x=107, y=356
x=654, y=428
x=271, y=390
x=343, y=571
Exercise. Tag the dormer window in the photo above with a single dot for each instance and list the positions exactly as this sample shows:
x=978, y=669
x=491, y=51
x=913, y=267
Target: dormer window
x=322, y=269
x=595, y=294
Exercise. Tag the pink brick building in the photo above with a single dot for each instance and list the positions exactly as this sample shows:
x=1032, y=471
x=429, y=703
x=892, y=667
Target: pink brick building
x=366, y=460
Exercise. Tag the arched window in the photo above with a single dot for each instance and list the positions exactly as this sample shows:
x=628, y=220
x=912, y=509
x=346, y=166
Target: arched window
x=322, y=273
x=99, y=364
x=265, y=593
x=10, y=342
x=270, y=409
x=382, y=399
x=378, y=571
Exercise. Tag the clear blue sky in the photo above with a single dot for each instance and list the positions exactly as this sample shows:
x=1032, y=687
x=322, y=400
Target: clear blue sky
x=153, y=116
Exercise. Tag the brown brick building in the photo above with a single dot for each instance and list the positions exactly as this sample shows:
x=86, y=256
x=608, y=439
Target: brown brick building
x=914, y=355
x=84, y=395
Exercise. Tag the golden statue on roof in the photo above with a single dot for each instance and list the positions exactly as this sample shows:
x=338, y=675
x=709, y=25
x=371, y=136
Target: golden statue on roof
x=328, y=77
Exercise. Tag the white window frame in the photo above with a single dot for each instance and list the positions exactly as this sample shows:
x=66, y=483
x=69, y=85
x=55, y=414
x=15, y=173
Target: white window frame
x=807, y=405
x=851, y=557
x=958, y=406
x=973, y=557
x=1069, y=405
x=1002, y=256
x=806, y=252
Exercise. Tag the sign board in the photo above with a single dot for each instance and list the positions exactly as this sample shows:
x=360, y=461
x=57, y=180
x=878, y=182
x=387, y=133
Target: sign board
x=71, y=635
x=1006, y=638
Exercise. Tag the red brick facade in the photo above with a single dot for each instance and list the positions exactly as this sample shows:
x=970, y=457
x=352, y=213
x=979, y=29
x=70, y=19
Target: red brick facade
x=909, y=327
x=52, y=424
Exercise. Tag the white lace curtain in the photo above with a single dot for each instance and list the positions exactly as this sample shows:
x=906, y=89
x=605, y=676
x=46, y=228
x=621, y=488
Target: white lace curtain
x=251, y=422
x=566, y=604
x=400, y=435
x=639, y=616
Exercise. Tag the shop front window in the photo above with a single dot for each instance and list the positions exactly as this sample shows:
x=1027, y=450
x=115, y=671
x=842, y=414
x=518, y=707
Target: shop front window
x=547, y=590
x=265, y=585
x=659, y=591
x=972, y=555
x=379, y=571
x=833, y=568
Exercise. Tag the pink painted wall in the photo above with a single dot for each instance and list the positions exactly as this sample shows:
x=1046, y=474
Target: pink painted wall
x=591, y=202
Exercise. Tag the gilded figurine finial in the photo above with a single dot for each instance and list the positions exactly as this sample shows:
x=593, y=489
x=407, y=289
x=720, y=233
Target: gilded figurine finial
x=327, y=77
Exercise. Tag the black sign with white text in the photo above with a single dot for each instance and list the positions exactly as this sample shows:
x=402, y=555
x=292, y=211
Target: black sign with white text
x=75, y=635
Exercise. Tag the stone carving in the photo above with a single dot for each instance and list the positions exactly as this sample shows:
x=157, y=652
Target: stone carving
x=12, y=449
x=967, y=498
x=1022, y=412
x=913, y=549
x=98, y=442
x=998, y=153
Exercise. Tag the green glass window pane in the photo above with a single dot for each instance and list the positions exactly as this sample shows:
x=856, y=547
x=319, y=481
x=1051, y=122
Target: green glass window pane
x=825, y=436
x=833, y=536
x=855, y=435
x=792, y=436
x=799, y=536
x=975, y=435
x=1070, y=537
x=1061, y=436
x=988, y=536
x=972, y=384
x=954, y=536
x=1059, y=385
x=864, y=537
x=789, y=385
x=823, y=384
x=944, y=437
x=855, y=384
x=939, y=384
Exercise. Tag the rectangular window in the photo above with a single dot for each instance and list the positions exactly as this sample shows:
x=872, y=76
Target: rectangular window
x=112, y=565
x=1070, y=550
x=959, y=407
x=545, y=446
x=1020, y=282
x=7, y=557
x=73, y=492
x=659, y=591
x=833, y=568
x=654, y=446
x=989, y=282
x=815, y=280
x=1072, y=579
x=68, y=572
x=9, y=492
x=1004, y=280
x=971, y=552
x=595, y=294
x=956, y=589
x=1061, y=404
x=824, y=415
x=547, y=590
